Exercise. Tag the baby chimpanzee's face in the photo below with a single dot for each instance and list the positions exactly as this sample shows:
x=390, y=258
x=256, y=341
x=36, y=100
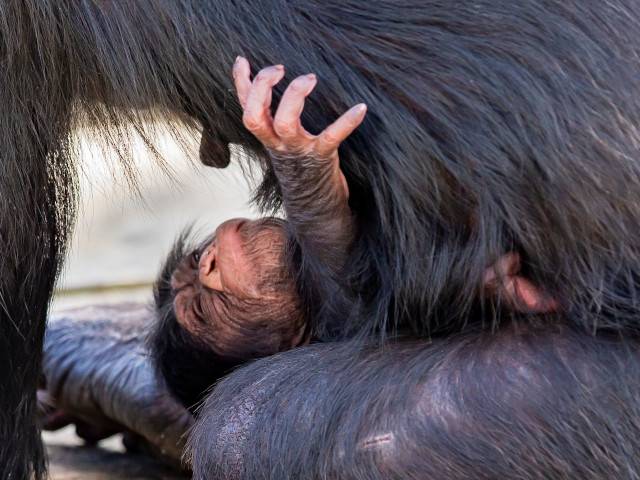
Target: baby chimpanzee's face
x=236, y=293
x=226, y=265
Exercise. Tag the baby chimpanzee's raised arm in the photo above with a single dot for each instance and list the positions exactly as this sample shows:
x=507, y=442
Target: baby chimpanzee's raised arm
x=314, y=190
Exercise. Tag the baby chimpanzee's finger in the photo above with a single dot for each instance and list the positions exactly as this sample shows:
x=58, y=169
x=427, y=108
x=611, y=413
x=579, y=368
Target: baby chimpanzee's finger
x=242, y=80
x=257, y=114
x=329, y=140
x=286, y=122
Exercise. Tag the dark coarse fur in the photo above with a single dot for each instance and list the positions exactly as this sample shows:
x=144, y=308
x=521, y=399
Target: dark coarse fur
x=530, y=402
x=493, y=125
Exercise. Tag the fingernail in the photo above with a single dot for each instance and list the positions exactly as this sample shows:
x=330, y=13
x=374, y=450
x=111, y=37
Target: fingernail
x=238, y=58
x=311, y=77
x=359, y=109
x=279, y=67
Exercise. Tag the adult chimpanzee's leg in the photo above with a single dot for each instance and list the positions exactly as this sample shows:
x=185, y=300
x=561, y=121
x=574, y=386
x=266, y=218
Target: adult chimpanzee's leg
x=526, y=403
x=36, y=193
x=107, y=61
x=103, y=60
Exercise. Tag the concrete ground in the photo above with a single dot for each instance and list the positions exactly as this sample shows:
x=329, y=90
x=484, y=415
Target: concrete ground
x=120, y=240
x=70, y=460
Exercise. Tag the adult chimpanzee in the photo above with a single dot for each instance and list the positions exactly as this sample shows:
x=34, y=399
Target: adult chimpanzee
x=493, y=127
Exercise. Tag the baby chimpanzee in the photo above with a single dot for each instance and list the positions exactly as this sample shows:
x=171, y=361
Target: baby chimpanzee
x=234, y=297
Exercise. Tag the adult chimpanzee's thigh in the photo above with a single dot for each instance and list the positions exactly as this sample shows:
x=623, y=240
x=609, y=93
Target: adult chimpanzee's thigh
x=35, y=188
x=27, y=273
x=526, y=403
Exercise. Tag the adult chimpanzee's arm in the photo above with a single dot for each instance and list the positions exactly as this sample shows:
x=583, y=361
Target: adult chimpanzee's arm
x=525, y=403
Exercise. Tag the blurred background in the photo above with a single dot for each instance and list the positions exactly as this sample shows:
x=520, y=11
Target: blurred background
x=123, y=233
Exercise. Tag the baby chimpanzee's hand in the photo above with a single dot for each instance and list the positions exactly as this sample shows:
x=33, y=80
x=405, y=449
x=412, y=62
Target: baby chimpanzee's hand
x=283, y=135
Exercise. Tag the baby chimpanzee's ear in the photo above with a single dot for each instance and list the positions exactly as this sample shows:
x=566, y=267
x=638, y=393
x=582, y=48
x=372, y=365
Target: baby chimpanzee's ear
x=209, y=276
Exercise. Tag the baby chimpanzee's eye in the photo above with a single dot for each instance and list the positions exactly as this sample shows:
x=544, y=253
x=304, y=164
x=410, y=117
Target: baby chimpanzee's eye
x=195, y=258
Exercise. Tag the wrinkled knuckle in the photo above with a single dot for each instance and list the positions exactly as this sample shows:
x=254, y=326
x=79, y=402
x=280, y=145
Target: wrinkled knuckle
x=262, y=76
x=283, y=127
x=251, y=121
x=330, y=139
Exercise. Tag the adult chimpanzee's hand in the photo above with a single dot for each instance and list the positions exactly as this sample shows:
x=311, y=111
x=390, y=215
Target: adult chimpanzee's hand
x=98, y=375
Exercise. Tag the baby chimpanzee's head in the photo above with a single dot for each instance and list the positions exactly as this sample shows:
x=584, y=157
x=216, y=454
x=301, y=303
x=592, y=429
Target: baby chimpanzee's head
x=229, y=299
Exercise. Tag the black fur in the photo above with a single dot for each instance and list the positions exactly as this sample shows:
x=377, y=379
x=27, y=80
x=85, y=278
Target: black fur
x=493, y=126
x=530, y=402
